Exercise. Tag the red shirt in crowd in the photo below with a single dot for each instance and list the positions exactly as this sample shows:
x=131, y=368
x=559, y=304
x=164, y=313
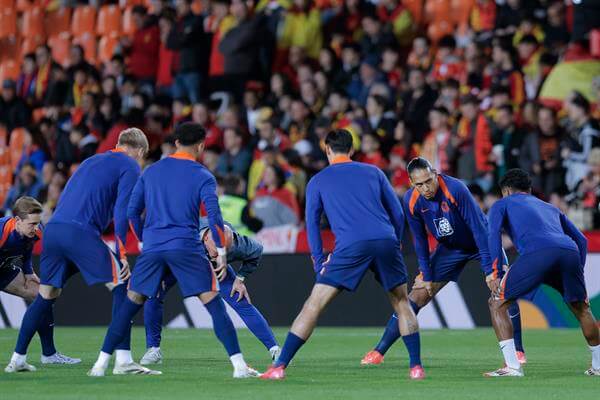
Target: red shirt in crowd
x=144, y=52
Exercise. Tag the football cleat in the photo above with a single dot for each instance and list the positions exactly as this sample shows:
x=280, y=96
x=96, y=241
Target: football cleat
x=153, y=356
x=505, y=371
x=96, y=372
x=245, y=373
x=58, y=358
x=274, y=373
x=133, y=369
x=372, y=358
x=14, y=366
x=592, y=372
x=417, y=373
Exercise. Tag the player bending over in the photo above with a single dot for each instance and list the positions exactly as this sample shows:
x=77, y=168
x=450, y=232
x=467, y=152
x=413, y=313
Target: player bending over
x=170, y=192
x=551, y=251
x=443, y=206
x=242, y=249
x=19, y=234
x=97, y=193
x=367, y=221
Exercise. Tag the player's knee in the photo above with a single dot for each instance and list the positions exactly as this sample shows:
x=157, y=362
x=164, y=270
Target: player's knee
x=135, y=297
x=49, y=292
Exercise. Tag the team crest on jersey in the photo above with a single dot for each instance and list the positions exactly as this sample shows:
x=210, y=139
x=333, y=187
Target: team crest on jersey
x=445, y=207
x=443, y=227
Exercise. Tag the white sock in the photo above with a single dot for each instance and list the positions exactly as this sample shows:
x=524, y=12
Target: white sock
x=274, y=348
x=595, y=356
x=123, y=357
x=19, y=358
x=510, y=353
x=238, y=361
x=103, y=360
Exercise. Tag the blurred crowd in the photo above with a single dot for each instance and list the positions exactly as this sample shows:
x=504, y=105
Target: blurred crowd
x=269, y=79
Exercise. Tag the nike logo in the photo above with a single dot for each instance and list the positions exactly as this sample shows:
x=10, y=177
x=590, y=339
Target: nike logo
x=424, y=210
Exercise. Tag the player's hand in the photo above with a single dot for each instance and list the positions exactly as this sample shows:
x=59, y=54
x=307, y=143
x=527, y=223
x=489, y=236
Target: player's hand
x=240, y=288
x=493, y=283
x=31, y=278
x=428, y=287
x=125, y=271
x=221, y=261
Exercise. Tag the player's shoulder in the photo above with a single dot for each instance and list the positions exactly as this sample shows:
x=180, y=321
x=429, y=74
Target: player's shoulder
x=3, y=222
x=453, y=184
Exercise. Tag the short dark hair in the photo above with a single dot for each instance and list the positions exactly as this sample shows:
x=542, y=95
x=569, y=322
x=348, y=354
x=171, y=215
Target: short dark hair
x=24, y=206
x=418, y=163
x=506, y=107
x=580, y=101
x=190, y=133
x=339, y=140
x=517, y=179
x=442, y=110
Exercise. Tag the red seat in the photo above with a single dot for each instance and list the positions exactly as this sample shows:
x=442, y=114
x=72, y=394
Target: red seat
x=28, y=45
x=109, y=20
x=128, y=25
x=9, y=49
x=60, y=46
x=15, y=145
x=7, y=4
x=437, y=10
x=106, y=48
x=24, y=5
x=84, y=20
x=33, y=23
x=439, y=29
x=416, y=9
x=461, y=11
x=8, y=23
x=58, y=22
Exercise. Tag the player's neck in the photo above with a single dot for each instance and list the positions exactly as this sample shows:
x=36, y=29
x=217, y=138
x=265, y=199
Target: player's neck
x=190, y=151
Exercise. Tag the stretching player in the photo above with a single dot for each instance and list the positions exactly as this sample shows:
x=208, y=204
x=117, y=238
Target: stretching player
x=19, y=235
x=97, y=193
x=241, y=248
x=367, y=221
x=551, y=251
x=171, y=191
x=445, y=207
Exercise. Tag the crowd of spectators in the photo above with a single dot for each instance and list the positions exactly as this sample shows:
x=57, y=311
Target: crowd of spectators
x=268, y=79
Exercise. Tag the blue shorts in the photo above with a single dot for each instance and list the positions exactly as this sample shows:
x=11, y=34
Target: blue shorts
x=556, y=267
x=346, y=267
x=7, y=275
x=68, y=248
x=191, y=269
x=169, y=281
x=447, y=264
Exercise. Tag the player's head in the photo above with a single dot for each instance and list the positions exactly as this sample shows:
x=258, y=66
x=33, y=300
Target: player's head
x=28, y=215
x=209, y=243
x=423, y=177
x=189, y=137
x=515, y=181
x=338, y=142
x=134, y=142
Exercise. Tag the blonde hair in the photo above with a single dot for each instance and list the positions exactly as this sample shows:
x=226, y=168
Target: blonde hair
x=25, y=206
x=134, y=138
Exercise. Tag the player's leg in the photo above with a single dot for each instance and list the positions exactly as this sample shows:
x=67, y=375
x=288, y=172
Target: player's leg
x=514, y=313
x=589, y=328
x=254, y=320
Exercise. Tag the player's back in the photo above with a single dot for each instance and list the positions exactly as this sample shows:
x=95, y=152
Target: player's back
x=534, y=224
x=352, y=197
x=172, y=193
x=89, y=197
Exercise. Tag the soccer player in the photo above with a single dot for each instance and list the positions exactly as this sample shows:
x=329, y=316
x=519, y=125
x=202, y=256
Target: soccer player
x=443, y=206
x=19, y=234
x=96, y=194
x=242, y=249
x=368, y=222
x=170, y=192
x=551, y=251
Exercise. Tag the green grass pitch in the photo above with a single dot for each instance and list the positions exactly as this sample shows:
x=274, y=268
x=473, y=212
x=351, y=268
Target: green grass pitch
x=196, y=367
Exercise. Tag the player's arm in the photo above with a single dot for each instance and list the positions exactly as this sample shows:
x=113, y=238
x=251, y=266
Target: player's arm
x=314, y=209
x=475, y=219
x=496, y=217
x=137, y=205
x=127, y=182
x=571, y=230
x=392, y=205
x=420, y=241
x=208, y=197
x=250, y=251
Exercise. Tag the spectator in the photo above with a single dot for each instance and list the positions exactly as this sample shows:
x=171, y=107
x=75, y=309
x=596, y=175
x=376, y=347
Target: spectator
x=54, y=190
x=143, y=48
x=556, y=33
x=416, y=103
x=506, y=71
x=26, y=81
x=235, y=159
x=201, y=115
x=589, y=189
x=26, y=184
x=360, y=86
x=301, y=125
x=44, y=65
x=379, y=122
x=35, y=150
x=375, y=39
x=188, y=37
x=234, y=206
x=370, y=153
x=420, y=54
x=166, y=57
x=14, y=113
x=274, y=204
x=437, y=143
x=394, y=13
x=507, y=140
x=269, y=134
x=77, y=61
x=84, y=143
x=583, y=136
x=218, y=24
x=301, y=27
x=447, y=64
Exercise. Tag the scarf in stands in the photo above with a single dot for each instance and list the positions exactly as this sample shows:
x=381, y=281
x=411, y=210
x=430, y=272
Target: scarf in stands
x=41, y=83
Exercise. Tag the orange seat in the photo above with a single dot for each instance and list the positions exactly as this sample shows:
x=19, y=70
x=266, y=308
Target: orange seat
x=106, y=48
x=461, y=11
x=33, y=23
x=9, y=70
x=89, y=43
x=60, y=46
x=9, y=49
x=128, y=25
x=83, y=21
x=130, y=3
x=15, y=146
x=23, y=5
x=28, y=45
x=58, y=22
x=416, y=9
x=3, y=143
x=437, y=10
x=438, y=29
x=109, y=20
x=8, y=22
x=7, y=4
x=197, y=6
